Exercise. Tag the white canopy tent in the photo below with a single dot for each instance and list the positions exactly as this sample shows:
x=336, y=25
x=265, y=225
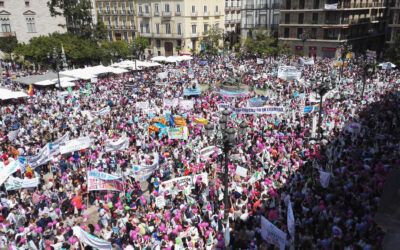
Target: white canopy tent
x=65, y=82
x=6, y=94
x=92, y=72
x=172, y=59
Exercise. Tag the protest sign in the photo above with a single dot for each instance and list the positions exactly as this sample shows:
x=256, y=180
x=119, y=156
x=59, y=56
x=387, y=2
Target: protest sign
x=290, y=220
x=189, y=92
x=324, y=178
x=186, y=104
x=308, y=109
x=142, y=105
x=169, y=103
x=75, y=145
x=12, y=135
x=167, y=186
x=201, y=120
x=91, y=240
x=233, y=94
x=272, y=234
x=17, y=183
x=40, y=158
x=7, y=170
x=178, y=133
x=162, y=75
x=160, y=202
x=206, y=152
x=103, y=181
x=101, y=112
x=260, y=61
x=241, y=171
x=118, y=145
x=254, y=110
x=289, y=73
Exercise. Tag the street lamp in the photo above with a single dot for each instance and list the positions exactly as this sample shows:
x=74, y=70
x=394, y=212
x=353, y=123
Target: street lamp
x=58, y=61
x=228, y=140
x=368, y=65
x=344, y=48
x=322, y=90
x=134, y=51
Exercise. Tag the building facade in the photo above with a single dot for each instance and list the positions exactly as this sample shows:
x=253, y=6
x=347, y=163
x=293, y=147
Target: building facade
x=319, y=27
x=119, y=18
x=26, y=19
x=177, y=26
x=232, y=21
x=393, y=21
x=259, y=14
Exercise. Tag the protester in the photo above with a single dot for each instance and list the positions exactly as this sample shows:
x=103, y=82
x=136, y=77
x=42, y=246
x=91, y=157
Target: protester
x=136, y=168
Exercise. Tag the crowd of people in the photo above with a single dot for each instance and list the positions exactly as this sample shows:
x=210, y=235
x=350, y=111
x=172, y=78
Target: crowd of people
x=172, y=195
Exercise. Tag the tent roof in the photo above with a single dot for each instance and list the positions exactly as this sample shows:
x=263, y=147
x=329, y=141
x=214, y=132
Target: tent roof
x=6, y=94
x=36, y=78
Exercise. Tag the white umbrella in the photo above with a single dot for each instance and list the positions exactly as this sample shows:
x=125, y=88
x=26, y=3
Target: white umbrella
x=159, y=58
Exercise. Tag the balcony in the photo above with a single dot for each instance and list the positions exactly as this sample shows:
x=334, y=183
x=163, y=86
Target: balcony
x=146, y=14
x=123, y=12
x=140, y=13
x=194, y=35
x=177, y=13
x=206, y=13
x=130, y=12
x=4, y=34
x=156, y=13
x=107, y=12
x=193, y=14
x=332, y=21
x=236, y=7
x=166, y=14
x=217, y=13
x=147, y=34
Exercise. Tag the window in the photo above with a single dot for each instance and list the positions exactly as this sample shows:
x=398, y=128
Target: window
x=146, y=9
x=179, y=29
x=1, y=3
x=109, y=21
x=158, y=43
x=316, y=4
x=313, y=34
x=131, y=8
x=217, y=26
x=205, y=27
x=108, y=9
x=124, y=23
x=5, y=25
x=288, y=4
x=193, y=9
x=301, y=18
x=301, y=4
x=287, y=18
x=110, y=36
x=30, y=21
x=141, y=27
x=140, y=9
x=216, y=8
x=178, y=8
x=168, y=28
x=299, y=32
x=157, y=28
x=125, y=36
x=194, y=31
x=115, y=9
x=179, y=43
x=116, y=23
x=315, y=18
x=123, y=10
x=27, y=3
x=132, y=23
x=205, y=8
x=132, y=36
x=156, y=8
x=166, y=7
x=286, y=33
x=100, y=9
x=147, y=28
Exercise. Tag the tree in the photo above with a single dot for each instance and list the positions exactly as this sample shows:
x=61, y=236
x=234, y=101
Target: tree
x=284, y=49
x=210, y=40
x=99, y=32
x=78, y=15
x=142, y=43
x=393, y=52
x=8, y=44
x=261, y=43
x=116, y=49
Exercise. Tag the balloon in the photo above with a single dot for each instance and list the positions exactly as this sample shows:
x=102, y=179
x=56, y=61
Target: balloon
x=178, y=241
x=83, y=227
x=57, y=210
x=165, y=237
x=110, y=205
x=190, y=244
x=97, y=227
x=127, y=208
x=21, y=229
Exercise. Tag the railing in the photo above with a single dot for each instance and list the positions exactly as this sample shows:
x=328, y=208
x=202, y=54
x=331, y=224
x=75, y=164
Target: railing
x=217, y=13
x=156, y=13
x=166, y=14
x=4, y=34
x=130, y=11
x=146, y=14
x=177, y=13
x=194, y=14
x=332, y=21
x=194, y=34
x=206, y=13
x=123, y=12
x=140, y=13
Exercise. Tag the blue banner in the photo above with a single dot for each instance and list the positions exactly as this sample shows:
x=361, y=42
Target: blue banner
x=189, y=92
x=232, y=93
x=309, y=109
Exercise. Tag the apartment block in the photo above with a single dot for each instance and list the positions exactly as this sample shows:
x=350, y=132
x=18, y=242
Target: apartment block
x=259, y=14
x=393, y=21
x=26, y=19
x=177, y=26
x=319, y=27
x=232, y=21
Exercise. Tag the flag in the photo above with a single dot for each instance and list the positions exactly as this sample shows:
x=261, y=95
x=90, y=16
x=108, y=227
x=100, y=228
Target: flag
x=30, y=90
x=28, y=172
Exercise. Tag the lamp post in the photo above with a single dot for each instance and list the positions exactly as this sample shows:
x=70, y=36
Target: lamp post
x=344, y=48
x=304, y=37
x=134, y=51
x=322, y=90
x=228, y=140
x=58, y=61
x=368, y=66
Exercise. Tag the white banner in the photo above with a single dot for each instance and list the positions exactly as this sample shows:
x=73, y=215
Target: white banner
x=7, y=170
x=290, y=220
x=162, y=75
x=178, y=133
x=91, y=240
x=270, y=110
x=289, y=73
x=167, y=186
x=142, y=105
x=333, y=6
x=101, y=112
x=314, y=126
x=324, y=178
x=17, y=183
x=40, y=158
x=272, y=234
x=206, y=152
x=121, y=144
x=260, y=61
x=171, y=102
x=186, y=104
x=160, y=202
x=241, y=171
x=75, y=145
x=13, y=135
